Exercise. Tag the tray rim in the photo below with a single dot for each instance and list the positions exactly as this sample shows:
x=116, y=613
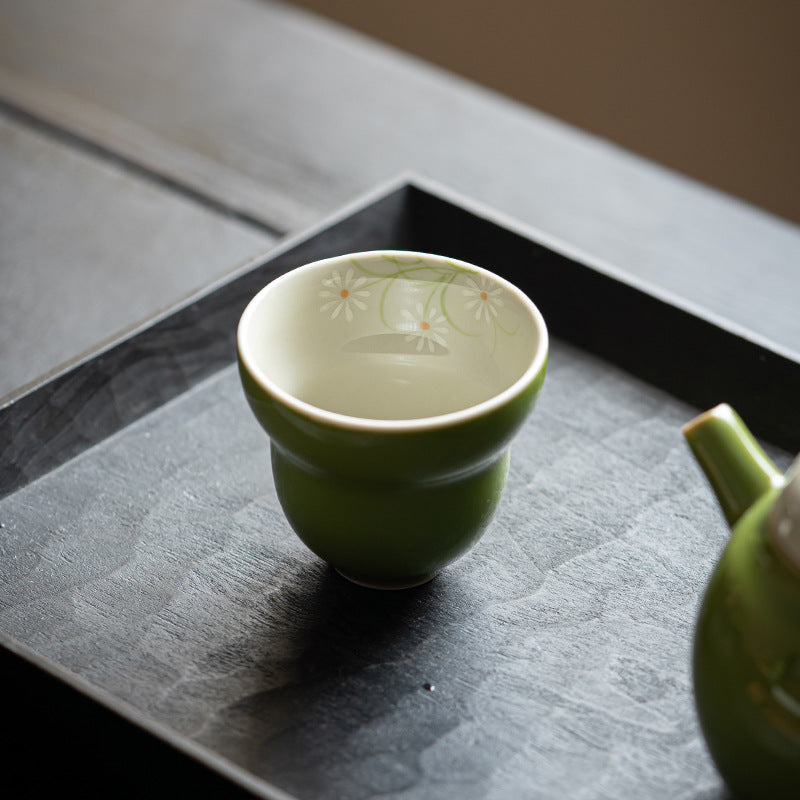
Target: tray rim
x=597, y=264
x=281, y=246
x=21, y=405
x=161, y=731
x=25, y=395
x=408, y=179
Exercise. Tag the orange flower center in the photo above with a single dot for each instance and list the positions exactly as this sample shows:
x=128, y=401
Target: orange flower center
x=344, y=294
x=484, y=296
x=426, y=326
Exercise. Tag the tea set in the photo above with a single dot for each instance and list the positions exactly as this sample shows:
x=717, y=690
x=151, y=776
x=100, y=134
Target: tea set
x=391, y=385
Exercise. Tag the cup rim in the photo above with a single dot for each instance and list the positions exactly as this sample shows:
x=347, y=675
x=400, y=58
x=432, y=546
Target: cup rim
x=373, y=425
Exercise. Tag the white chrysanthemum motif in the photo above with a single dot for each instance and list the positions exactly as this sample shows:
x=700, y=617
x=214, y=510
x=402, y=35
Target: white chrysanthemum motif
x=341, y=295
x=483, y=299
x=426, y=327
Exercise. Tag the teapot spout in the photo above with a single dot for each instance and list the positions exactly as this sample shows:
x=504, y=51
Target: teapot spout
x=737, y=468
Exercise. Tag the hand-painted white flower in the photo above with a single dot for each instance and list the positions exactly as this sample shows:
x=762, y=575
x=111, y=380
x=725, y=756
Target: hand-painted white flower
x=342, y=294
x=484, y=299
x=425, y=327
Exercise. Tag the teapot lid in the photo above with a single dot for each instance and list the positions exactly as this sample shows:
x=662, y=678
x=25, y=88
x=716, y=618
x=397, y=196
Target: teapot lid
x=784, y=517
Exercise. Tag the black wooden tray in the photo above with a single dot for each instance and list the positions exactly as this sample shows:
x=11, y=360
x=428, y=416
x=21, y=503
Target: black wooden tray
x=166, y=632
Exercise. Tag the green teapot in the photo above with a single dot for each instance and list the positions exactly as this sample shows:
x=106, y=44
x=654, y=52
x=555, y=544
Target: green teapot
x=746, y=660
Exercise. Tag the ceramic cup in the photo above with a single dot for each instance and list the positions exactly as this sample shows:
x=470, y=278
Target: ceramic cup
x=391, y=384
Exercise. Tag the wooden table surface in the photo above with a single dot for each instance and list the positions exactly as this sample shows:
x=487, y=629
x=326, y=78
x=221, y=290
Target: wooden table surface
x=149, y=148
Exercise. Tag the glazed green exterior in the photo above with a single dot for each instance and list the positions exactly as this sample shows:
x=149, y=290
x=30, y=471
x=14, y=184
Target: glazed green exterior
x=392, y=508
x=746, y=664
x=392, y=535
x=746, y=658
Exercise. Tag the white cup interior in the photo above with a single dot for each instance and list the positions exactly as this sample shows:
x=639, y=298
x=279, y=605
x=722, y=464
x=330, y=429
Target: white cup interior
x=391, y=335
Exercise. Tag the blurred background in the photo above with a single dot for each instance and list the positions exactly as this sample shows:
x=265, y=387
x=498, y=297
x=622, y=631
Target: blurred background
x=709, y=88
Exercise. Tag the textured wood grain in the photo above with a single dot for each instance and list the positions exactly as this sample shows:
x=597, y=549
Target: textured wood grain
x=160, y=569
x=59, y=723
x=316, y=115
x=87, y=250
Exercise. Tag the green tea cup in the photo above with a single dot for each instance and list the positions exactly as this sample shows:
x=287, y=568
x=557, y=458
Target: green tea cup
x=391, y=384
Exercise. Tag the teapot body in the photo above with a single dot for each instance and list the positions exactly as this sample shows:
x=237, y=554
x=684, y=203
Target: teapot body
x=746, y=661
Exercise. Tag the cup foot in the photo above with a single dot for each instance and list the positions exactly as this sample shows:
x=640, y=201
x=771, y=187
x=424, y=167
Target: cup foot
x=388, y=586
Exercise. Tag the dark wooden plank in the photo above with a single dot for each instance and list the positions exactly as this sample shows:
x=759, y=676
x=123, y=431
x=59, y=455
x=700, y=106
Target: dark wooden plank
x=184, y=169
x=268, y=95
x=87, y=250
